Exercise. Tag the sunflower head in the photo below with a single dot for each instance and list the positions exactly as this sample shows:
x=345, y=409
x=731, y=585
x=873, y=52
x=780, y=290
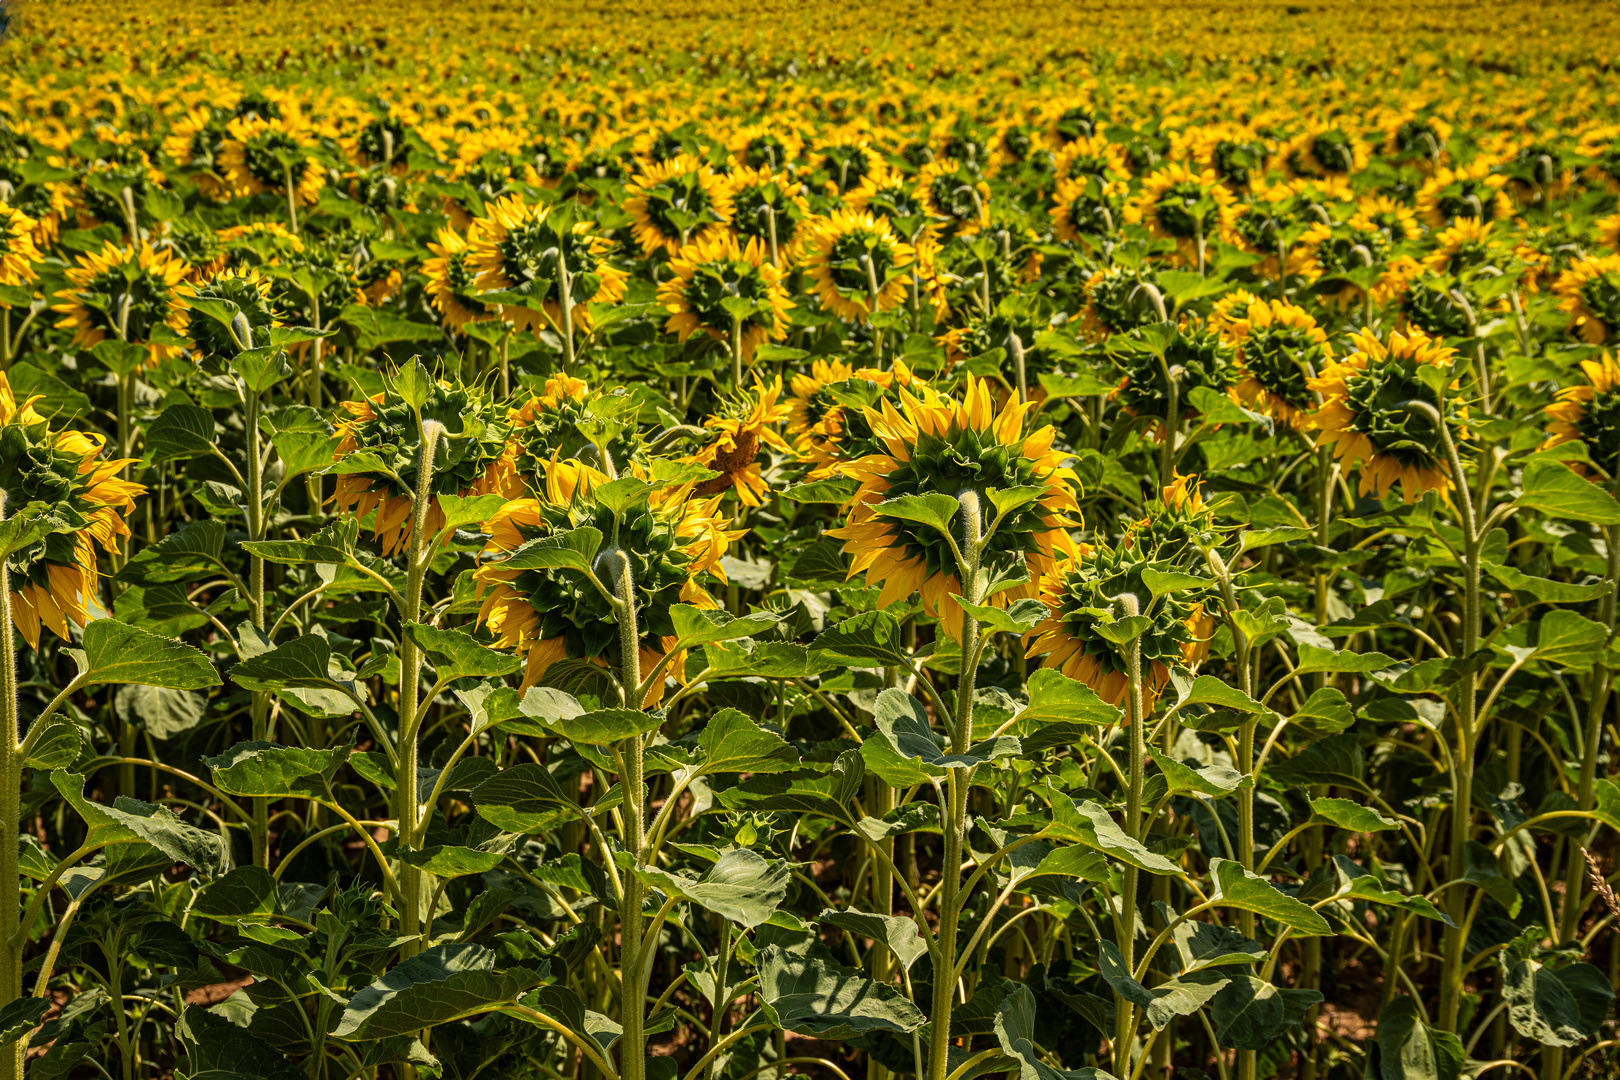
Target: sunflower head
x=261, y=156
x=1118, y=300
x=567, y=421
x=1179, y=204
x=1195, y=356
x=525, y=248
x=1366, y=414
x=1081, y=595
x=125, y=294
x=673, y=203
x=1087, y=204
x=1590, y=291
x=17, y=251
x=736, y=436
x=670, y=538
x=763, y=200
x=957, y=457
x=214, y=305
x=1590, y=415
x=72, y=504
x=955, y=194
x=727, y=291
x=452, y=283
x=858, y=264
x=1471, y=190
x=827, y=414
x=1279, y=347
x=379, y=452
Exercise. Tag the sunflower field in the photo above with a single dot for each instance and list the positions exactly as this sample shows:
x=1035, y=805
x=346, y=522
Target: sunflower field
x=687, y=541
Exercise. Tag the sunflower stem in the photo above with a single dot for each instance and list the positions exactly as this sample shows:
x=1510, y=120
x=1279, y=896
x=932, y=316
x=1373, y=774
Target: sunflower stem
x=872, y=308
x=292, y=199
x=957, y=783
x=411, y=879
x=255, y=525
x=11, y=771
x=565, y=289
x=1462, y=785
x=1125, y=1019
x=633, y=964
x=1015, y=346
x=736, y=353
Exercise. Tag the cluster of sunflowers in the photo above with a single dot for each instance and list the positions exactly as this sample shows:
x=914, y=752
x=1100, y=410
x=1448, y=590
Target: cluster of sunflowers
x=981, y=331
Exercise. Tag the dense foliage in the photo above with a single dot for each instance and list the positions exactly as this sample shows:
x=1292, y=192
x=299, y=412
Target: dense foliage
x=680, y=542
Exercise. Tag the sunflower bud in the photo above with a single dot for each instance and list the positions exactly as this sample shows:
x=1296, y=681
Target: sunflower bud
x=242, y=332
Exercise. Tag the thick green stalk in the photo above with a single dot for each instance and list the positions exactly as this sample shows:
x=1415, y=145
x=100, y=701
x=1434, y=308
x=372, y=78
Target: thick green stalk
x=1597, y=704
x=565, y=291
x=1124, y=1012
x=1462, y=816
x=411, y=879
x=633, y=965
x=256, y=531
x=950, y=906
x=11, y=768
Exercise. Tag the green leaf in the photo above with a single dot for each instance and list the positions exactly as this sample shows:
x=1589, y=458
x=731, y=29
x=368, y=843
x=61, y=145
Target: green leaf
x=1088, y=824
x=445, y=983
x=462, y=511
x=903, y=726
x=450, y=861
x=1238, y=888
x=20, y=1017
x=1017, y=618
x=1313, y=660
x=456, y=654
x=333, y=545
x=191, y=552
x=524, y=799
x=1561, y=492
x=1212, y=780
x=303, y=662
x=220, y=1050
x=1165, y=1002
x=265, y=770
x=1569, y=640
x=248, y=892
x=180, y=431
x=115, y=652
x=1249, y=1013
x=1208, y=690
x=741, y=886
x=898, y=932
x=825, y=1001
x=1357, y=883
x=1203, y=945
x=1014, y=1027
x=375, y=326
x=1337, y=759
x=1555, y=1007
x=1409, y=1049
x=1058, y=705
x=703, y=626
x=936, y=511
x=1250, y=539
x=868, y=640
x=130, y=821
x=734, y=743
x=604, y=727
x=1353, y=816
x=1160, y=583
x=571, y=550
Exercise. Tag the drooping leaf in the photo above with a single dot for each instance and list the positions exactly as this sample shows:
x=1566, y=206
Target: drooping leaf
x=447, y=982
x=742, y=886
x=825, y=1001
x=1236, y=887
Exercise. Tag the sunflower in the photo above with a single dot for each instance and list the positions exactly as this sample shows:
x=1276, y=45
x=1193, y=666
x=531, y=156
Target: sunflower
x=671, y=538
x=769, y=207
x=17, y=251
x=1191, y=208
x=551, y=430
x=850, y=167
x=709, y=277
x=858, y=264
x=452, y=282
x=214, y=304
x=954, y=195
x=1087, y=205
x=1590, y=415
x=1117, y=300
x=677, y=202
x=129, y=294
x=1419, y=139
x=826, y=416
x=1466, y=244
x=1365, y=419
x=472, y=458
x=516, y=247
x=932, y=444
x=259, y=157
x=1471, y=190
x=1279, y=346
x=54, y=478
x=1203, y=356
x=735, y=439
x=1590, y=291
x=1324, y=152
x=1079, y=594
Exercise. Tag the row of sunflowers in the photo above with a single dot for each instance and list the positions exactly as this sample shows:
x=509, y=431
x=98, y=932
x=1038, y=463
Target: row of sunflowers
x=666, y=544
